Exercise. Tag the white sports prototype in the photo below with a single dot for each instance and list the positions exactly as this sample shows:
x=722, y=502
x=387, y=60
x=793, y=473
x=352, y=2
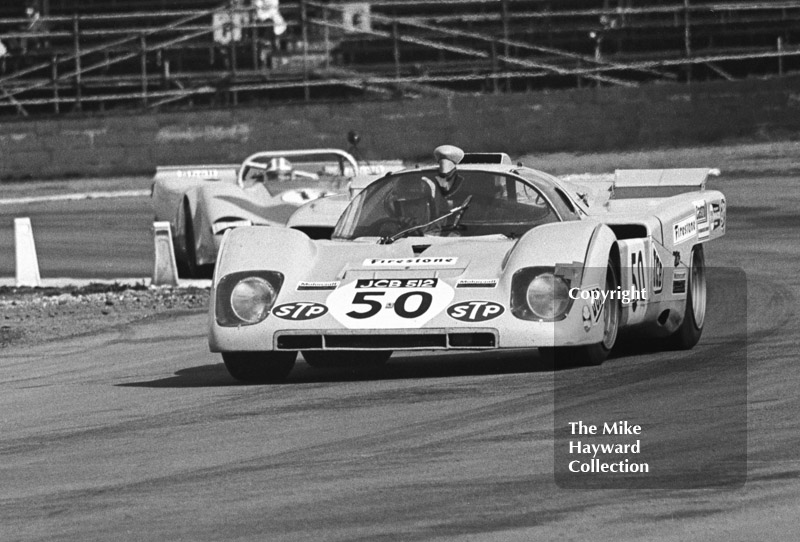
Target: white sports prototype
x=202, y=202
x=475, y=254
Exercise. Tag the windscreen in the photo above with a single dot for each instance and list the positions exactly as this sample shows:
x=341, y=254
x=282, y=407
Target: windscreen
x=497, y=204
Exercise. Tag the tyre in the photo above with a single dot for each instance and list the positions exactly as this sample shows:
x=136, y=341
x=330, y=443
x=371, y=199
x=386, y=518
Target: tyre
x=347, y=358
x=259, y=366
x=592, y=354
x=688, y=334
x=191, y=269
x=189, y=266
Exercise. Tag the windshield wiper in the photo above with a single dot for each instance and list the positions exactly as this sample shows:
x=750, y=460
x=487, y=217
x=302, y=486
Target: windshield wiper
x=454, y=211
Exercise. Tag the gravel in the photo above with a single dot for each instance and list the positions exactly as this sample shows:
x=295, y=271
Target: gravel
x=34, y=315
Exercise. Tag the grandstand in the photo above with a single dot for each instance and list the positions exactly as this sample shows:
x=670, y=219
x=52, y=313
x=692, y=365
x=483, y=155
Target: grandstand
x=96, y=55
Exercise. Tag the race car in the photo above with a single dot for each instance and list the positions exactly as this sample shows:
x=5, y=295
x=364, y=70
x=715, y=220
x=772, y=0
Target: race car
x=475, y=253
x=202, y=202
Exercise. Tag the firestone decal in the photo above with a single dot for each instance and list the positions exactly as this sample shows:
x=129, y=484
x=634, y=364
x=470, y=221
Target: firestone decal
x=408, y=262
x=684, y=229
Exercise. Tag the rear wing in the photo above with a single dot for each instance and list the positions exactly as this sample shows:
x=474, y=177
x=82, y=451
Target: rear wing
x=659, y=183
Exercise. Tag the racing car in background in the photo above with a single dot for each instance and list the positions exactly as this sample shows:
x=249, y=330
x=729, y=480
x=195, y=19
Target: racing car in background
x=500, y=256
x=202, y=202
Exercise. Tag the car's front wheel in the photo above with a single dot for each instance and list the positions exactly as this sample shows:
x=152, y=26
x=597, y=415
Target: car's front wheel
x=259, y=366
x=347, y=358
x=592, y=354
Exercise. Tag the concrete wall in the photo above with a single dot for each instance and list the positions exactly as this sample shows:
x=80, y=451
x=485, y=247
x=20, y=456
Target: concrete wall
x=573, y=120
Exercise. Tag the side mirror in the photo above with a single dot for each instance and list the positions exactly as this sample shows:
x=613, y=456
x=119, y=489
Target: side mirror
x=353, y=138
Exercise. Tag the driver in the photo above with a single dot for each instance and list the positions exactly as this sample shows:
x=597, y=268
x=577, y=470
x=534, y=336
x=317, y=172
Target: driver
x=279, y=169
x=448, y=188
x=449, y=182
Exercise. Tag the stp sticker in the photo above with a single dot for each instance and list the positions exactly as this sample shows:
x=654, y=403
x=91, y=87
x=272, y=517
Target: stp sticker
x=475, y=311
x=300, y=310
x=684, y=229
x=701, y=213
x=389, y=303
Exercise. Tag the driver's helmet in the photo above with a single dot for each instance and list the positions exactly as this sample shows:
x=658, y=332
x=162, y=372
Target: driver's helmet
x=279, y=168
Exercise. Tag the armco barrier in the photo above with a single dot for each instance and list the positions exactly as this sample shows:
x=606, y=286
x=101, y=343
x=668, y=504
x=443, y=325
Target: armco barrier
x=589, y=119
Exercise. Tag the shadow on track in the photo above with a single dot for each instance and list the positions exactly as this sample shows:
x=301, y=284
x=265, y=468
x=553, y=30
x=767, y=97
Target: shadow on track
x=398, y=368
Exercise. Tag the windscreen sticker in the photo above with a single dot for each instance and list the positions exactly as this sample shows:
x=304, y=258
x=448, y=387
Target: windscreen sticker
x=408, y=262
x=389, y=303
x=315, y=286
x=477, y=283
x=684, y=229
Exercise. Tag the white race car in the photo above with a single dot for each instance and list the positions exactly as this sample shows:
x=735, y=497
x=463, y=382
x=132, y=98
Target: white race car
x=475, y=254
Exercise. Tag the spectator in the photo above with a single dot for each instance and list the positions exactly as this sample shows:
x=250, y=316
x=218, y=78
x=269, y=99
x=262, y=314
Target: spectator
x=268, y=10
x=34, y=25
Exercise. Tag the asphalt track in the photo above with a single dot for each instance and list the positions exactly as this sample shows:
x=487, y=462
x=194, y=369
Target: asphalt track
x=90, y=238
x=139, y=434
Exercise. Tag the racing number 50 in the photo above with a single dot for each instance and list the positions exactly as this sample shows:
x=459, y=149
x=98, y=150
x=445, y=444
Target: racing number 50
x=400, y=304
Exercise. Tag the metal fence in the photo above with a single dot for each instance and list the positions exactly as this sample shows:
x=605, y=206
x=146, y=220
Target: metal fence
x=382, y=49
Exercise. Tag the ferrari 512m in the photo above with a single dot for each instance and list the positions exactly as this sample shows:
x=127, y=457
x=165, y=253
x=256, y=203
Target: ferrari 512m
x=203, y=202
x=476, y=253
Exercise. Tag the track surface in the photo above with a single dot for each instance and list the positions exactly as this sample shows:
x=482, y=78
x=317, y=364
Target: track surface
x=139, y=434
x=97, y=238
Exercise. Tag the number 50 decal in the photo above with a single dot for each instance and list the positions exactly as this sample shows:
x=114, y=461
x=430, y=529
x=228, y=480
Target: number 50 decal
x=388, y=307
x=638, y=275
x=401, y=304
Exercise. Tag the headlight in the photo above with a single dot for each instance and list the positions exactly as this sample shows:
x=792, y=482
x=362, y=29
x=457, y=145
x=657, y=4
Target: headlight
x=547, y=296
x=538, y=293
x=246, y=297
x=251, y=299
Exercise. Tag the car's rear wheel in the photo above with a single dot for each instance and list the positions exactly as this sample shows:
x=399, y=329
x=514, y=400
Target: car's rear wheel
x=259, y=366
x=347, y=358
x=189, y=266
x=191, y=269
x=688, y=334
x=592, y=354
